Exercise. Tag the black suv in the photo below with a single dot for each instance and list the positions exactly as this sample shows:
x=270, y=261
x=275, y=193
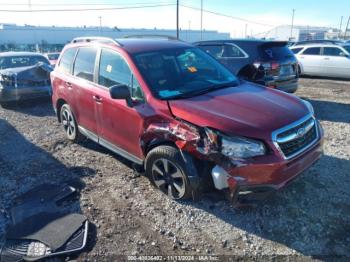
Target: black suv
x=269, y=63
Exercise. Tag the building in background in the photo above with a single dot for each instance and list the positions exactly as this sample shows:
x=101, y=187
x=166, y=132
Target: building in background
x=299, y=33
x=37, y=38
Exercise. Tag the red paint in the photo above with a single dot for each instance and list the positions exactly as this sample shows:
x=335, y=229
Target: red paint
x=247, y=110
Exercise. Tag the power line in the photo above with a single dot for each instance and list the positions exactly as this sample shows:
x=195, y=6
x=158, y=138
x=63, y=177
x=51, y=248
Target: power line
x=84, y=9
x=225, y=15
x=85, y=4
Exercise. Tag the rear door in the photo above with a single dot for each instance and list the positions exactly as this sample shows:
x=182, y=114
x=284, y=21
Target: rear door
x=83, y=90
x=312, y=61
x=119, y=125
x=335, y=64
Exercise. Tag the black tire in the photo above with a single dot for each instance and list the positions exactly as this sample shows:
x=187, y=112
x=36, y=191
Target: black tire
x=174, y=181
x=299, y=70
x=70, y=124
x=5, y=104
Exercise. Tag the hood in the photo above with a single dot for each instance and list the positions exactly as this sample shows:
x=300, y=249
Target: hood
x=39, y=70
x=248, y=110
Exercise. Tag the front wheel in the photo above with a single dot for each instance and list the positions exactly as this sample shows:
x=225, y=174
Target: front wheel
x=167, y=171
x=69, y=124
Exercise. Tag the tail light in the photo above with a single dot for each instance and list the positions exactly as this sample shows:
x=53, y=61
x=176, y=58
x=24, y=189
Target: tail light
x=270, y=68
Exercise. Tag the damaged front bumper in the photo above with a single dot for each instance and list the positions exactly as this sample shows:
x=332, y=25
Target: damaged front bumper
x=12, y=94
x=256, y=180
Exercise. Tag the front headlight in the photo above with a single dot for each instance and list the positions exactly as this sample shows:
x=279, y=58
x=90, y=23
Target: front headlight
x=241, y=147
x=309, y=106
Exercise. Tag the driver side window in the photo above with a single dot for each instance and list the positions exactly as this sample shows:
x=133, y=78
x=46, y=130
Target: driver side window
x=113, y=70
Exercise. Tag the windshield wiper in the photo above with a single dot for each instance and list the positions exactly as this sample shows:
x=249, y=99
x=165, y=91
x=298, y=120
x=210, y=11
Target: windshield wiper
x=204, y=90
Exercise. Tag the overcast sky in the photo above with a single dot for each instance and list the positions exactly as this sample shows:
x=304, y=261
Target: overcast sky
x=268, y=12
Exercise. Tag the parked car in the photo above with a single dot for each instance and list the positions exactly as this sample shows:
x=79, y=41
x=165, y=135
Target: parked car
x=52, y=57
x=328, y=60
x=189, y=122
x=269, y=63
x=319, y=41
x=23, y=75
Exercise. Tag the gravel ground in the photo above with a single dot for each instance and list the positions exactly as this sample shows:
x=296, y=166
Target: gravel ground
x=310, y=218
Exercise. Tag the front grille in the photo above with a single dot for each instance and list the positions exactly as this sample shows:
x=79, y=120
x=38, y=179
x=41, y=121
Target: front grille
x=297, y=138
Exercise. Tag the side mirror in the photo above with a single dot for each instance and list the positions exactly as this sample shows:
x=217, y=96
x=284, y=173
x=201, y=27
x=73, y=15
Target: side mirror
x=121, y=92
x=343, y=54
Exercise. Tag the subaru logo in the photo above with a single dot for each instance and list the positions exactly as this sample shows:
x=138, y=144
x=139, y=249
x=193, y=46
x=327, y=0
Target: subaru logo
x=301, y=132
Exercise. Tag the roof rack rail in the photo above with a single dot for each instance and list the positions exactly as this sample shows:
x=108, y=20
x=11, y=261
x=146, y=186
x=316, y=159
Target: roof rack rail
x=152, y=36
x=105, y=40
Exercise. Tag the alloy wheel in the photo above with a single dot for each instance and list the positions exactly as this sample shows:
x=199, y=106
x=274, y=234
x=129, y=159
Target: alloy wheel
x=168, y=177
x=68, y=122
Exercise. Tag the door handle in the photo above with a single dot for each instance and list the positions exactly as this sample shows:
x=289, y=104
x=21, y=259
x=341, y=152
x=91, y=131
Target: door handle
x=302, y=57
x=97, y=99
x=326, y=58
x=68, y=84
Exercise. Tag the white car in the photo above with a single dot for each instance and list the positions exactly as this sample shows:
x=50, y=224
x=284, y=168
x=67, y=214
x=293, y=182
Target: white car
x=331, y=60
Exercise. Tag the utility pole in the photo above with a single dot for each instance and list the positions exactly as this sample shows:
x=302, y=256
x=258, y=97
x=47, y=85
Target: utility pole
x=100, y=18
x=347, y=27
x=291, y=28
x=245, y=31
x=201, y=19
x=177, y=20
x=341, y=23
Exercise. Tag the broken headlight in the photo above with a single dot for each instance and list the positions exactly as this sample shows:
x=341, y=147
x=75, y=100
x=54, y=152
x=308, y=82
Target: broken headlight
x=235, y=146
x=241, y=147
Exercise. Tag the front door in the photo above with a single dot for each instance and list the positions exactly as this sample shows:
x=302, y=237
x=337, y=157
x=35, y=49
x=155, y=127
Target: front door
x=119, y=125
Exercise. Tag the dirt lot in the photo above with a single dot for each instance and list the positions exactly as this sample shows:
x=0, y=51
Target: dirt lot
x=309, y=218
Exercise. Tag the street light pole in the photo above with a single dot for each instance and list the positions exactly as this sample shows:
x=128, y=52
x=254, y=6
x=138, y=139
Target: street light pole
x=346, y=29
x=177, y=19
x=341, y=23
x=100, y=18
x=291, y=28
x=201, y=19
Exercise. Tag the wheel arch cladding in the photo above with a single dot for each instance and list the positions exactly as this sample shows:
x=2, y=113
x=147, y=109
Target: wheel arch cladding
x=182, y=137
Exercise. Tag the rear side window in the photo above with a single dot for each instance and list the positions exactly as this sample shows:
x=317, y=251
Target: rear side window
x=215, y=50
x=85, y=63
x=234, y=52
x=296, y=50
x=332, y=51
x=66, y=61
x=223, y=51
x=312, y=51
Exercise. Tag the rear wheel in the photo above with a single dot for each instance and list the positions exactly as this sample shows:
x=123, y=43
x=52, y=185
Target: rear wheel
x=5, y=104
x=167, y=171
x=69, y=124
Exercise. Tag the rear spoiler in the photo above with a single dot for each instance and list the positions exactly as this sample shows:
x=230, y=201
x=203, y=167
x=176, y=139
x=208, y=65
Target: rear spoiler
x=274, y=43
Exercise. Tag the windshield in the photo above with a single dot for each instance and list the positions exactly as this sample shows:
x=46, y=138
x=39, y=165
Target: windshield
x=182, y=72
x=20, y=61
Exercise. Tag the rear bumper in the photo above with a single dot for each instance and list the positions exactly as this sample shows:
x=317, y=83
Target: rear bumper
x=289, y=86
x=24, y=93
x=254, y=181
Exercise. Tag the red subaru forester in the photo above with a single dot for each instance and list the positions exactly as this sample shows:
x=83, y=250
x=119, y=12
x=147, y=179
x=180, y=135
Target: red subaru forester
x=175, y=111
